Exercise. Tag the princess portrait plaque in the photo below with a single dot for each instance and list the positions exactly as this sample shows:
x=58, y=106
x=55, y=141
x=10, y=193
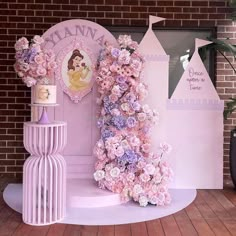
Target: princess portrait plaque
x=76, y=69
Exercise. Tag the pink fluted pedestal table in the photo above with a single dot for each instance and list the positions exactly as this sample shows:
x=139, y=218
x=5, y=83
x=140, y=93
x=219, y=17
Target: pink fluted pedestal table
x=44, y=174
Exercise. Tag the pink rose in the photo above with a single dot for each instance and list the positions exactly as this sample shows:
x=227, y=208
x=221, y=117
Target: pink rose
x=22, y=44
x=146, y=147
x=38, y=40
x=144, y=177
x=39, y=59
x=41, y=71
x=119, y=151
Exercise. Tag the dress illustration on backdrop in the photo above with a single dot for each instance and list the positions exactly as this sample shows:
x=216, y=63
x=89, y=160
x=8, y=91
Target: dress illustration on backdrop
x=77, y=72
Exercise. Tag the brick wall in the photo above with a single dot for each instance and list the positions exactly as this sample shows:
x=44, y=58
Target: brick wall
x=26, y=18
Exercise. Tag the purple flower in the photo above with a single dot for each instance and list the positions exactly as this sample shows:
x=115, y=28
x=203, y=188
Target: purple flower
x=124, y=86
x=115, y=52
x=120, y=79
x=131, y=122
x=119, y=122
x=106, y=133
x=136, y=106
x=130, y=97
x=100, y=122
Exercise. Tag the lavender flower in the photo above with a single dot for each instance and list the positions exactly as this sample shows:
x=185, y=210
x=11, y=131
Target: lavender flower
x=106, y=133
x=119, y=122
x=131, y=122
x=100, y=122
x=135, y=105
x=120, y=79
x=123, y=87
x=115, y=52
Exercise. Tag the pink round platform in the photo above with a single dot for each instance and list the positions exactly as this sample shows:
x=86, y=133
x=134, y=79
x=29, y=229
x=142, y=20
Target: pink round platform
x=88, y=205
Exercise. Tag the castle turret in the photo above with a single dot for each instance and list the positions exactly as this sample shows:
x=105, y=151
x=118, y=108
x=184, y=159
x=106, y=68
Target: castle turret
x=156, y=76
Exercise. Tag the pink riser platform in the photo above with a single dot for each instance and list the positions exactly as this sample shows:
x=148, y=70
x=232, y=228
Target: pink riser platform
x=89, y=205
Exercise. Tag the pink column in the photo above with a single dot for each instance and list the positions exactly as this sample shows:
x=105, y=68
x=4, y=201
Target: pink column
x=44, y=174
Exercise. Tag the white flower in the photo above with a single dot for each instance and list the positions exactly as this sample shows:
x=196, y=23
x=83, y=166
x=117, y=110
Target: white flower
x=143, y=201
x=165, y=147
x=119, y=151
x=144, y=177
x=153, y=200
x=137, y=189
x=98, y=175
x=149, y=169
x=115, y=172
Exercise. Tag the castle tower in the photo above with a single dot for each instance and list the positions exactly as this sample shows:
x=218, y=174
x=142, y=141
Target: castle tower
x=156, y=76
x=195, y=128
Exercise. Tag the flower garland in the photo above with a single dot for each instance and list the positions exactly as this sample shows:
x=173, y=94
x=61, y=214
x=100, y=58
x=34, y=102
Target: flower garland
x=125, y=163
x=34, y=64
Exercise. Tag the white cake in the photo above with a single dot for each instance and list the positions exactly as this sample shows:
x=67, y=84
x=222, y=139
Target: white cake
x=45, y=94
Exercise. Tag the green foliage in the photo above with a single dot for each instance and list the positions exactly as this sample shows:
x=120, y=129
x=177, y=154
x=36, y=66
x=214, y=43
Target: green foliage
x=230, y=107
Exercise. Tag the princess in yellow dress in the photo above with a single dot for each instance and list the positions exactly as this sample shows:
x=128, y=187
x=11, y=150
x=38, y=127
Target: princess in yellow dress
x=77, y=72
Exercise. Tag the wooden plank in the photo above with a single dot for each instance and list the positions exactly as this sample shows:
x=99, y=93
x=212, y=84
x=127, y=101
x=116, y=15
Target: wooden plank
x=123, y=230
x=198, y=221
x=56, y=230
x=10, y=226
x=72, y=230
x=218, y=209
x=230, y=225
x=22, y=230
x=218, y=227
x=108, y=230
x=185, y=225
x=39, y=230
x=139, y=229
x=154, y=228
x=224, y=201
x=88, y=230
x=204, y=209
x=169, y=226
x=230, y=194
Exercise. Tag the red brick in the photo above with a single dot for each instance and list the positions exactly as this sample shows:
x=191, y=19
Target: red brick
x=147, y=3
x=104, y=8
x=173, y=9
x=144, y=9
x=182, y=3
x=43, y=13
x=138, y=22
x=14, y=169
x=122, y=22
x=166, y=15
x=190, y=9
x=216, y=16
x=156, y=9
x=224, y=84
x=34, y=6
x=200, y=3
x=96, y=2
x=207, y=23
x=113, y=2
x=79, y=14
x=208, y=10
x=219, y=4
x=225, y=10
x=129, y=2
x=122, y=8
x=96, y=14
x=190, y=23
x=87, y=8
x=199, y=16
x=114, y=14
x=224, y=22
x=182, y=16
x=104, y=22
x=225, y=35
x=173, y=23
x=164, y=3
x=131, y=15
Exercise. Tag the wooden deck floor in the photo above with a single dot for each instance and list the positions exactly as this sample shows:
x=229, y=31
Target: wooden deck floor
x=212, y=213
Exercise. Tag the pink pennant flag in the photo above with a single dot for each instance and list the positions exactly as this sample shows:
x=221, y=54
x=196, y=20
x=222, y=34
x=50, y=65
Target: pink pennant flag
x=200, y=42
x=154, y=19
